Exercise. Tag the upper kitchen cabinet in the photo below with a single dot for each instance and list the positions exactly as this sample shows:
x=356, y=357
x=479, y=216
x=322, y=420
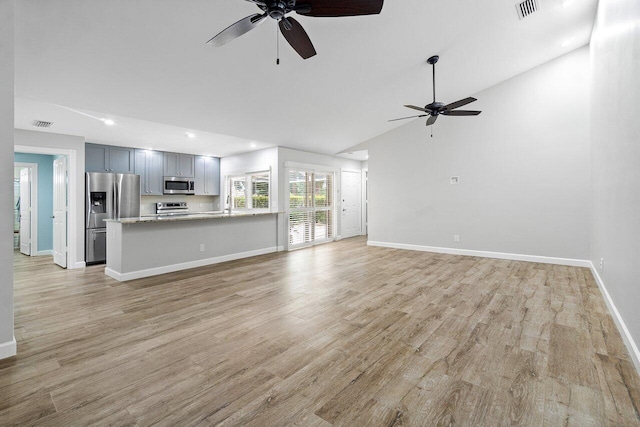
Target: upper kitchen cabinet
x=176, y=164
x=107, y=158
x=207, y=179
x=149, y=165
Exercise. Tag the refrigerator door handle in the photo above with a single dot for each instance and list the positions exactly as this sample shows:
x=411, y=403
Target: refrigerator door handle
x=117, y=200
x=88, y=201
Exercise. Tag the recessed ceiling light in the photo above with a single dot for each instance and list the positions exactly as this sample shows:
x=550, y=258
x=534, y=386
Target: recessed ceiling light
x=108, y=122
x=253, y=145
x=190, y=135
x=566, y=43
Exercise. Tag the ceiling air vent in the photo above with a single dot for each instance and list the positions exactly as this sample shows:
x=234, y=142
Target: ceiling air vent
x=42, y=124
x=526, y=8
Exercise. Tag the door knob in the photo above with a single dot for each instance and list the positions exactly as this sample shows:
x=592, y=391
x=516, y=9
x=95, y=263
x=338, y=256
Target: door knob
x=53, y=216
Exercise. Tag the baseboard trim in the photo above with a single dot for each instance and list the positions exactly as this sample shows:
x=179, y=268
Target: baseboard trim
x=485, y=254
x=79, y=264
x=617, y=318
x=45, y=252
x=8, y=349
x=139, y=274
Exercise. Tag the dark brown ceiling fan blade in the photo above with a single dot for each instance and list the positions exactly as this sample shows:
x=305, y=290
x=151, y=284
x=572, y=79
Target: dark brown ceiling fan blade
x=410, y=117
x=297, y=37
x=333, y=8
x=417, y=108
x=236, y=30
x=431, y=120
x=461, y=113
x=459, y=104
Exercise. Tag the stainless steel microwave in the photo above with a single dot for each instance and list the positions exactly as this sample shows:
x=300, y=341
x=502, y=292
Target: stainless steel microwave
x=178, y=185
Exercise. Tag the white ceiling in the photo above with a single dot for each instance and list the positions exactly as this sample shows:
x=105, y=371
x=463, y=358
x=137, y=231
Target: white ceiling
x=145, y=64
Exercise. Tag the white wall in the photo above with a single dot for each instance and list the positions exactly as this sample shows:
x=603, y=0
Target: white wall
x=7, y=342
x=615, y=144
x=524, y=168
x=73, y=146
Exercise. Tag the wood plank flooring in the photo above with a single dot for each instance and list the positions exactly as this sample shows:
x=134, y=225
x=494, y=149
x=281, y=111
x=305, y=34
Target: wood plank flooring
x=341, y=334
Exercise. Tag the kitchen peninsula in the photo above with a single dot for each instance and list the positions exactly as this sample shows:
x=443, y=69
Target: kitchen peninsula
x=148, y=246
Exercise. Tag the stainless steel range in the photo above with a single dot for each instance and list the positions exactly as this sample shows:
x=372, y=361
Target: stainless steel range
x=172, y=208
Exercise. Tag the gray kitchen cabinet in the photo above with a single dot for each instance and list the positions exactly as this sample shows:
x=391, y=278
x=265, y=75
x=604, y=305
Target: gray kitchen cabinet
x=150, y=167
x=207, y=176
x=176, y=164
x=108, y=158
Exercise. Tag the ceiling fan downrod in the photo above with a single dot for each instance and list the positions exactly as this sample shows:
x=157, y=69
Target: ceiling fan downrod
x=433, y=60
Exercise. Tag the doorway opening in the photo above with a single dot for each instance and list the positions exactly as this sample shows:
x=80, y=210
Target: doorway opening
x=310, y=208
x=41, y=204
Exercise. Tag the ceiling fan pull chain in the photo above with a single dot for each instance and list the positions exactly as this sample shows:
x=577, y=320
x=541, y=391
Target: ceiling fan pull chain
x=277, y=46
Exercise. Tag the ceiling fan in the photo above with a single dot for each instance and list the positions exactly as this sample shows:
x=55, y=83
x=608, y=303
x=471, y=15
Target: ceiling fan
x=436, y=109
x=289, y=27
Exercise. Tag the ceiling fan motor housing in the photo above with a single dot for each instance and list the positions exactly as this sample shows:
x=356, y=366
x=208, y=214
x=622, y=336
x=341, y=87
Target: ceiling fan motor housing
x=277, y=10
x=434, y=107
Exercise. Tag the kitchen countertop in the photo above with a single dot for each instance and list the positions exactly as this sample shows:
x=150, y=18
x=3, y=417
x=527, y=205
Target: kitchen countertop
x=187, y=217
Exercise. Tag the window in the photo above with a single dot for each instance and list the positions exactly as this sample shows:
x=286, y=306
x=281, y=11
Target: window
x=310, y=208
x=249, y=191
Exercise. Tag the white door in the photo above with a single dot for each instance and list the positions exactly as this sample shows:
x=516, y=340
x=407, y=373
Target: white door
x=351, y=191
x=60, y=211
x=25, y=211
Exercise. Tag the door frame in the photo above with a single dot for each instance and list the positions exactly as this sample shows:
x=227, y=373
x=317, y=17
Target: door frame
x=33, y=183
x=364, y=226
x=63, y=160
x=73, y=186
x=306, y=167
x=359, y=173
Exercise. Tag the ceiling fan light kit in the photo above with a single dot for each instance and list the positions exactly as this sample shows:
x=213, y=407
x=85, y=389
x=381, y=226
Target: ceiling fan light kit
x=291, y=29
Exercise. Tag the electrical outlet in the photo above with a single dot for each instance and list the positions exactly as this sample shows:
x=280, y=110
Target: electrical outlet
x=601, y=263
x=456, y=238
x=454, y=180
x=201, y=247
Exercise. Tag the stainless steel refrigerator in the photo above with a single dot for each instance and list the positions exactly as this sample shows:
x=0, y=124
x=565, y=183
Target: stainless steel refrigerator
x=108, y=196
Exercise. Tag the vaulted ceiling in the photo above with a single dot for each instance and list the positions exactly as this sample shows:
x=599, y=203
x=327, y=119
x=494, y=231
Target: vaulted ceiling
x=145, y=64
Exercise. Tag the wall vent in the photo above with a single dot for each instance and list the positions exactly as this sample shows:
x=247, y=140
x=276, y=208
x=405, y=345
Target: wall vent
x=42, y=124
x=526, y=8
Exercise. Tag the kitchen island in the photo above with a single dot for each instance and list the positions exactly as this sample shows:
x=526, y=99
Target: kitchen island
x=151, y=245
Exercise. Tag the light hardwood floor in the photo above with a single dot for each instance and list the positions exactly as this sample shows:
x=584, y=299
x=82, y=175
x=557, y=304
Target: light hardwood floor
x=340, y=334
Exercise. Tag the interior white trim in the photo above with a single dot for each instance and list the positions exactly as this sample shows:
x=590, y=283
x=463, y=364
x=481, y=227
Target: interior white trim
x=45, y=252
x=622, y=327
x=8, y=349
x=485, y=254
x=123, y=277
x=79, y=264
